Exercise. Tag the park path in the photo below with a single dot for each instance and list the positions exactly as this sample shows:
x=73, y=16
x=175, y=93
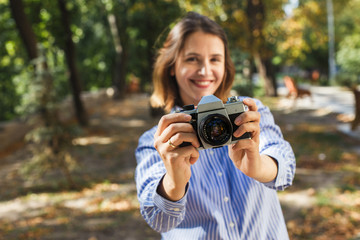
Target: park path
x=330, y=99
x=115, y=128
x=325, y=100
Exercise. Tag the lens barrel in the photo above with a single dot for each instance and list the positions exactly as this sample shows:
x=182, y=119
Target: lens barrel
x=215, y=129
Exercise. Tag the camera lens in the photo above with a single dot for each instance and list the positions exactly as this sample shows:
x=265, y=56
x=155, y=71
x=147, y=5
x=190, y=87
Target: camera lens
x=215, y=129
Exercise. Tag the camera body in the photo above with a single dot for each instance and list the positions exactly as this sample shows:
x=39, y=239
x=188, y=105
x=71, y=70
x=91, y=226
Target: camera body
x=213, y=121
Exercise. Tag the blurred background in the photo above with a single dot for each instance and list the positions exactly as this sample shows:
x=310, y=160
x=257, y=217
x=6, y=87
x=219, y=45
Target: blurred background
x=75, y=80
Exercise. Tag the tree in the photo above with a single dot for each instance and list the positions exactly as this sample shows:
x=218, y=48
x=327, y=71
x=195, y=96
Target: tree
x=148, y=21
x=74, y=79
x=50, y=137
x=12, y=55
x=348, y=57
x=253, y=26
x=118, y=21
x=30, y=42
x=24, y=27
x=29, y=38
x=305, y=39
x=261, y=53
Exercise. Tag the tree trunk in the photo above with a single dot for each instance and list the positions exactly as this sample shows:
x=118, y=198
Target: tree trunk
x=256, y=19
x=29, y=39
x=119, y=69
x=26, y=33
x=71, y=62
x=265, y=69
x=356, y=121
x=45, y=78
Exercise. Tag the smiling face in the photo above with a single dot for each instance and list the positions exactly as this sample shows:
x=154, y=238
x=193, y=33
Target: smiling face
x=200, y=67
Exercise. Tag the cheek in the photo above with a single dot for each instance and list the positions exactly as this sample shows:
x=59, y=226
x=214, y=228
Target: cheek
x=220, y=73
x=183, y=73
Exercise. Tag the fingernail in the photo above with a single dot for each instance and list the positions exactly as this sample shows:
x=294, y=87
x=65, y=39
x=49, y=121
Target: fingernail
x=238, y=122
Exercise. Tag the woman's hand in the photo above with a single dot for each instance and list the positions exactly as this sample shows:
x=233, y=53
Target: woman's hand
x=245, y=153
x=173, y=130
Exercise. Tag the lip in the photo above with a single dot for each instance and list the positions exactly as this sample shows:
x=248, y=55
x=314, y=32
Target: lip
x=202, y=83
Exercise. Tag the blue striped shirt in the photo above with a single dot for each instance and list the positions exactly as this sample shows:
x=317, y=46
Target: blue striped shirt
x=220, y=201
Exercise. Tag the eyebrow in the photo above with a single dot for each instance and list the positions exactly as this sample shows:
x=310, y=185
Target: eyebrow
x=196, y=54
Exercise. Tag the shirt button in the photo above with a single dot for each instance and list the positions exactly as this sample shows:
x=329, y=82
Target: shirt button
x=232, y=224
x=226, y=199
x=219, y=174
x=212, y=152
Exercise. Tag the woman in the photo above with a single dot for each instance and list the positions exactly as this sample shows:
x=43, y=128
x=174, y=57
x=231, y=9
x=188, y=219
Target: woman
x=221, y=193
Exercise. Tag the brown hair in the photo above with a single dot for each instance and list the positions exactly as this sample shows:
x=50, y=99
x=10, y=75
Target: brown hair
x=166, y=91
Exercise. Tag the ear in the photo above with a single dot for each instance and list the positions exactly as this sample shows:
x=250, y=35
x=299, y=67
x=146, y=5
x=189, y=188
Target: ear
x=172, y=71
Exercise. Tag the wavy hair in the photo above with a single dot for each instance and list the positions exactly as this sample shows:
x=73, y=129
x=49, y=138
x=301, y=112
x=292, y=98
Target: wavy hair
x=166, y=91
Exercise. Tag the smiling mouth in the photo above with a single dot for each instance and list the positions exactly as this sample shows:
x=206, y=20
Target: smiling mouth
x=202, y=83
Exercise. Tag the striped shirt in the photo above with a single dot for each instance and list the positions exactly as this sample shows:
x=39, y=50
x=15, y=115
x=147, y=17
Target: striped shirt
x=220, y=201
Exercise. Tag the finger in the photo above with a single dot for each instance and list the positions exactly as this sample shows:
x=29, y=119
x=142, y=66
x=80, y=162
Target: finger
x=172, y=145
x=182, y=137
x=175, y=128
x=247, y=117
x=166, y=120
x=191, y=153
x=245, y=144
x=250, y=127
x=185, y=153
x=171, y=130
x=194, y=157
x=251, y=104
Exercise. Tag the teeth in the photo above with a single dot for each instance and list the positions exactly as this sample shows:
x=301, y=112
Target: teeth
x=202, y=83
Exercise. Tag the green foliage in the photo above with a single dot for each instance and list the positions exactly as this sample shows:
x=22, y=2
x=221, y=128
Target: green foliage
x=244, y=89
x=147, y=21
x=304, y=41
x=9, y=99
x=347, y=79
x=300, y=39
x=348, y=58
x=95, y=51
x=349, y=54
x=347, y=19
x=51, y=138
x=11, y=60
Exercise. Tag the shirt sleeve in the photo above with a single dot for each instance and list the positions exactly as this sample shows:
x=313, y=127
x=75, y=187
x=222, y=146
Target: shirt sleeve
x=161, y=214
x=273, y=144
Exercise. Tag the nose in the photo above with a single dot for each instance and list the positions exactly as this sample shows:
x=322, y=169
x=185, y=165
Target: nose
x=205, y=69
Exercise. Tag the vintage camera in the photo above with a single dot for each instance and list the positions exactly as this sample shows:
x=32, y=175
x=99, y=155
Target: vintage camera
x=213, y=121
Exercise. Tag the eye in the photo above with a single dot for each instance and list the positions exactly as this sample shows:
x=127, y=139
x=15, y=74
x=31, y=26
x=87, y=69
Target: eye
x=216, y=59
x=191, y=59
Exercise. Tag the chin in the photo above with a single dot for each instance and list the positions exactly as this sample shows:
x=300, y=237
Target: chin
x=196, y=100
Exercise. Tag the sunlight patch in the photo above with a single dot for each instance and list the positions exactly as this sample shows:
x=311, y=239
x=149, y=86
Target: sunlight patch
x=92, y=140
